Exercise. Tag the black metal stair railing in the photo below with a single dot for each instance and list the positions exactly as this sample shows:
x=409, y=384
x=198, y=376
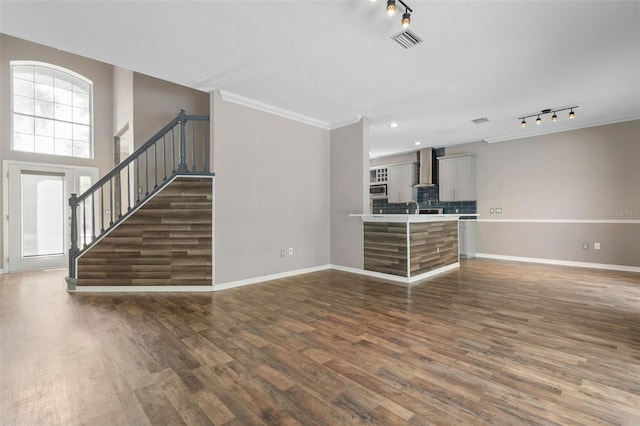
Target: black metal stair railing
x=180, y=148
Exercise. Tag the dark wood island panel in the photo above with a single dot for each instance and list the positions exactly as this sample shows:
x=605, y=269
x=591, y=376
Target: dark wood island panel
x=433, y=245
x=410, y=247
x=385, y=247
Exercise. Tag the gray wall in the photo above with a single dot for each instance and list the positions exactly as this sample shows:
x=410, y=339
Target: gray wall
x=272, y=192
x=156, y=102
x=101, y=74
x=589, y=174
x=349, y=192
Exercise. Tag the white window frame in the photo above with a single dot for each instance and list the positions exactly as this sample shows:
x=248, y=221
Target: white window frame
x=71, y=73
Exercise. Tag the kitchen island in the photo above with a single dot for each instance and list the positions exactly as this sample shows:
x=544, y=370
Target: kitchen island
x=408, y=248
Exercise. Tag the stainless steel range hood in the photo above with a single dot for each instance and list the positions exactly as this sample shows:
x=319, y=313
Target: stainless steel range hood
x=426, y=168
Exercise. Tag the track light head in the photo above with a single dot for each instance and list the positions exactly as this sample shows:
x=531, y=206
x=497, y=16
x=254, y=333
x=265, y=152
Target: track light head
x=391, y=7
x=554, y=117
x=538, y=121
x=523, y=124
x=406, y=20
x=572, y=114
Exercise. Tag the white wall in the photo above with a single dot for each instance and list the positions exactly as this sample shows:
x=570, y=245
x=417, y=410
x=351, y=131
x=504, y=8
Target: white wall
x=272, y=192
x=349, y=192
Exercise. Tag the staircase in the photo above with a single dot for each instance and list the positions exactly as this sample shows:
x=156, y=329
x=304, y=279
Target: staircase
x=130, y=211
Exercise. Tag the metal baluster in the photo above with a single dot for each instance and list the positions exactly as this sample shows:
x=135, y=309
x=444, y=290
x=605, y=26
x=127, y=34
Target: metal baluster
x=173, y=148
x=101, y=209
x=128, y=186
x=73, y=203
x=119, y=194
x=93, y=216
x=146, y=173
x=110, y=202
x=155, y=165
x=193, y=145
x=164, y=157
x=137, y=189
x=84, y=222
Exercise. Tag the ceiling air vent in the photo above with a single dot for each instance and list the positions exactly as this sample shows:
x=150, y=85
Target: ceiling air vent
x=407, y=39
x=480, y=120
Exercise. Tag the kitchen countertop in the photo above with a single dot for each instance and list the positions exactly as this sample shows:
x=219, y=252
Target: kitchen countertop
x=411, y=218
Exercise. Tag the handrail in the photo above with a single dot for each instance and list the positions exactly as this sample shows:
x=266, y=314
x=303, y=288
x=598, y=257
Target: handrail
x=95, y=203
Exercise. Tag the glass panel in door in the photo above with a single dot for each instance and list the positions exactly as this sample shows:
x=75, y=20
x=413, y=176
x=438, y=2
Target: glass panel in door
x=42, y=211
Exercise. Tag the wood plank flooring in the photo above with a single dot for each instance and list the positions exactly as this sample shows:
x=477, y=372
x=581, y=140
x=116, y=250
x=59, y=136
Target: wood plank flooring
x=492, y=343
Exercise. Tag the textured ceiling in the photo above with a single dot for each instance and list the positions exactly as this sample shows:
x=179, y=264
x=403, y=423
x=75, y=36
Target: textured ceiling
x=334, y=61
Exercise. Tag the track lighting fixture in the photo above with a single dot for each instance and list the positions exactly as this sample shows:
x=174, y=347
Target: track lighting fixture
x=554, y=117
x=391, y=7
x=406, y=16
x=406, y=20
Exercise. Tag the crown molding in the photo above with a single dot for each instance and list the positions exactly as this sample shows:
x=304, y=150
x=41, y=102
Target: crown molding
x=346, y=123
x=261, y=106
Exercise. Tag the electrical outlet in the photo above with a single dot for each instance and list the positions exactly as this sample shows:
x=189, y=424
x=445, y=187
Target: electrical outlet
x=282, y=253
x=290, y=251
x=107, y=212
x=492, y=210
x=596, y=246
x=585, y=246
x=499, y=210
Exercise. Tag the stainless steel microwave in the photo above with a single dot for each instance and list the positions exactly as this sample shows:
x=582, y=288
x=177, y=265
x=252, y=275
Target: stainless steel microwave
x=378, y=190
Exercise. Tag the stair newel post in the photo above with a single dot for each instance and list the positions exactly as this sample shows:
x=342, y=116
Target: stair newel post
x=182, y=167
x=73, y=251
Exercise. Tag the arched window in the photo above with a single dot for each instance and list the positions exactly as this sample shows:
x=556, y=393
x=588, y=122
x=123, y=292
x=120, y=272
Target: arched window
x=52, y=110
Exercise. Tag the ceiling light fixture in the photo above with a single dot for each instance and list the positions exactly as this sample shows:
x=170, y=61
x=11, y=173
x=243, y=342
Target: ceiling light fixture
x=406, y=20
x=406, y=16
x=554, y=117
x=393, y=125
x=391, y=7
x=416, y=143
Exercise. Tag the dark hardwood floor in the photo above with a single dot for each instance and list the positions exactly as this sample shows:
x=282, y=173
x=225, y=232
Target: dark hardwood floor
x=492, y=343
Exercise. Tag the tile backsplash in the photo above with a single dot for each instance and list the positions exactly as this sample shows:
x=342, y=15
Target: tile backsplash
x=427, y=198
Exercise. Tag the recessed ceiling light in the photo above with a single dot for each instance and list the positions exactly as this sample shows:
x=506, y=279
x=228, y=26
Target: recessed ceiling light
x=393, y=125
x=417, y=143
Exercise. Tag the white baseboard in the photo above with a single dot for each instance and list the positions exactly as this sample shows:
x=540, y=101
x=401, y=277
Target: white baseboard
x=256, y=280
x=395, y=278
x=624, y=268
x=142, y=289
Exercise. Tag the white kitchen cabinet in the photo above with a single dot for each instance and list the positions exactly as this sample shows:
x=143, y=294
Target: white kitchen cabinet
x=457, y=178
x=400, y=181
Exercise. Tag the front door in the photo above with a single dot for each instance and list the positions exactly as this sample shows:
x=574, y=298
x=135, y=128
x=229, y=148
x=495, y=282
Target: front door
x=38, y=216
